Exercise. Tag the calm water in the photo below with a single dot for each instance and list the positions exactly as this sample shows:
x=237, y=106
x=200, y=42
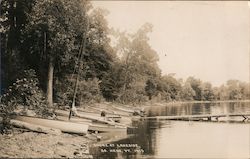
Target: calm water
x=185, y=139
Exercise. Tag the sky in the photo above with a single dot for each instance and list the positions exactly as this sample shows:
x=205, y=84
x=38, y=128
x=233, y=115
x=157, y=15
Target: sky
x=208, y=40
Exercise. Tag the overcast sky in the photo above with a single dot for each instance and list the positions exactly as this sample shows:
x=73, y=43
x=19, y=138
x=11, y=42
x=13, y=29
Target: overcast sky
x=207, y=40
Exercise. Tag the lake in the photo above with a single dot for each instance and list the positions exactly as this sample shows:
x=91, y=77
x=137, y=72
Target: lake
x=185, y=139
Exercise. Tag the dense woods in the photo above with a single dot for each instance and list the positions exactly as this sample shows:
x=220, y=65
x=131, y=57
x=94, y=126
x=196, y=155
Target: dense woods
x=60, y=51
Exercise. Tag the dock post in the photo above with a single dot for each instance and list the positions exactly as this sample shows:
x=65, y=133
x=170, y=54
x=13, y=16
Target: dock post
x=209, y=118
x=245, y=118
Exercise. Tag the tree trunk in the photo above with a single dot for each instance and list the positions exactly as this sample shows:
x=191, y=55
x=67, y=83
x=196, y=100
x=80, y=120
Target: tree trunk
x=50, y=83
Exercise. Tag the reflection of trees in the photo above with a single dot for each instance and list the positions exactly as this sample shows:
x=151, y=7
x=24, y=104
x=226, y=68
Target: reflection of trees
x=231, y=107
x=144, y=137
x=196, y=108
x=147, y=134
x=207, y=108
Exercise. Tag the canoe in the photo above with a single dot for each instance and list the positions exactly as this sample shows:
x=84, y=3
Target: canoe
x=134, y=112
x=72, y=119
x=94, y=126
x=123, y=109
x=64, y=126
x=105, y=128
x=83, y=115
x=113, y=117
x=94, y=118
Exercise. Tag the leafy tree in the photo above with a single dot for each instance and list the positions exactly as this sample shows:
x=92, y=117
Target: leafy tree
x=112, y=82
x=208, y=93
x=26, y=93
x=138, y=61
x=196, y=85
x=150, y=88
x=216, y=92
x=53, y=33
x=170, y=86
x=99, y=54
x=234, y=90
x=13, y=21
x=245, y=90
x=187, y=92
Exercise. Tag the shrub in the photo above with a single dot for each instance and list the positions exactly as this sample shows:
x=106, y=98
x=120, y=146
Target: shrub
x=89, y=91
x=26, y=93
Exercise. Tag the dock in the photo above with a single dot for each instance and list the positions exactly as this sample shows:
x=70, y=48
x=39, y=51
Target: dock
x=200, y=117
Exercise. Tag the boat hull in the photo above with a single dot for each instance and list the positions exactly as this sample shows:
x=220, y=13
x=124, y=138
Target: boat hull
x=95, y=127
x=64, y=126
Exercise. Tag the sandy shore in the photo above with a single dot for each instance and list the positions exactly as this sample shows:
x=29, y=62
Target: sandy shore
x=24, y=144
x=21, y=143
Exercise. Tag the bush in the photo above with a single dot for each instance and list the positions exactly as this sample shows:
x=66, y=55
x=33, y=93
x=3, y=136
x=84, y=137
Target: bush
x=89, y=91
x=26, y=93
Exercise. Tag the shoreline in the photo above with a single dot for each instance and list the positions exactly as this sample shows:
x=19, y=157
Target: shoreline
x=25, y=144
x=21, y=143
x=157, y=104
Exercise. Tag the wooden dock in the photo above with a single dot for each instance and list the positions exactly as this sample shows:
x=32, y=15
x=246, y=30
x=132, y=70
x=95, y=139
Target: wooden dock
x=200, y=117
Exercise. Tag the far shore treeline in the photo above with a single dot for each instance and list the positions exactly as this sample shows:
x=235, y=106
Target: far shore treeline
x=49, y=45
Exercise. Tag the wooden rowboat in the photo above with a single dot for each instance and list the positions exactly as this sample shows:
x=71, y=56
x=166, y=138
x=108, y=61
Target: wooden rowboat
x=64, y=126
x=94, y=118
x=94, y=126
x=113, y=117
x=105, y=128
x=123, y=109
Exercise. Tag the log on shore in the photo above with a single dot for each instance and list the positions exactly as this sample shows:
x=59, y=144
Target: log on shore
x=35, y=128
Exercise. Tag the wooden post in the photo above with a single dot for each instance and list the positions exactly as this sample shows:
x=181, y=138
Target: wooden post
x=82, y=49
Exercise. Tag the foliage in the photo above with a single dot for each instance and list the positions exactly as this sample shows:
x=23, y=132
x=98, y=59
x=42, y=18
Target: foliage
x=89, y=91
x=13, y=19
x=196, y=85
x=24, y=92
x=137, y=63
x=208, y=93
x=170, y=87
x=150, y=88
x=112, y=82
x=135, y=93
x=72, y=38
x=187, y=92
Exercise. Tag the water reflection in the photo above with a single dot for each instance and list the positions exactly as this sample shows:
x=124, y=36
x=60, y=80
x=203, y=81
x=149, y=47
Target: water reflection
x=187, y=139
x=203, y=140
x=200, y=108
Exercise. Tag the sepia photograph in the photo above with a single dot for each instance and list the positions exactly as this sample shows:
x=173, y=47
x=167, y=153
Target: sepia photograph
x=125, y=79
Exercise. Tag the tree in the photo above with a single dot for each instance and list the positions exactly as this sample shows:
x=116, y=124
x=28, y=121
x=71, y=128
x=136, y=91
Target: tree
x=245, y=90
x=208, y=93
x=99, y=55
x=54, y=35
x=150, y=88
x=234, y=91
x=13, y=21
x=187, y=92
x=138, y=61
x=196, y=85
x=170, y=87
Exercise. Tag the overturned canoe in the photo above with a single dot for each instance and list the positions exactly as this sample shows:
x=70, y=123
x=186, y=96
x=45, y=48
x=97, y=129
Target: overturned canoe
x=123, y=109
x=64, y=126
x=95, y=126
x=105, y=128
x=94, y=118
